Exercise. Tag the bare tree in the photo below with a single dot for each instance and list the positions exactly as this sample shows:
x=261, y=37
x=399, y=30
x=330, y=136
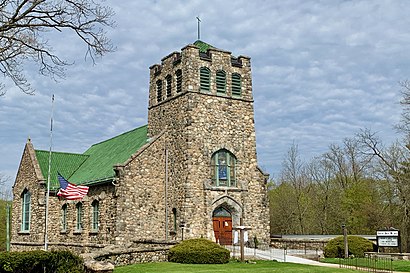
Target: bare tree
x=294, y=173
x=23, y=28
x=396, y=161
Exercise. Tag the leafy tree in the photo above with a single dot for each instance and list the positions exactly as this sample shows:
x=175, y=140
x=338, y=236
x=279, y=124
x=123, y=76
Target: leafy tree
x=23, y=28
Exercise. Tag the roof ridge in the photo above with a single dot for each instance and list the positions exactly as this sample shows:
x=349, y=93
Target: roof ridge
x=127, y=132
x=57, y=152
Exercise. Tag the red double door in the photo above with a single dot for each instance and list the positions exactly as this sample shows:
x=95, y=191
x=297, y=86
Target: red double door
x=223, y=230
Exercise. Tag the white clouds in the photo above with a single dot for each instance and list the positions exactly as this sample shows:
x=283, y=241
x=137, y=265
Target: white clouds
x=321, y=71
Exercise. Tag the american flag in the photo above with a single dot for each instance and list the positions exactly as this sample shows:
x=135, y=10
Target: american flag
x=70, y=191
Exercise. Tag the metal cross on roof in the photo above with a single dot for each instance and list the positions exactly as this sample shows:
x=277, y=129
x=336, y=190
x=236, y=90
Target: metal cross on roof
x=199, y=29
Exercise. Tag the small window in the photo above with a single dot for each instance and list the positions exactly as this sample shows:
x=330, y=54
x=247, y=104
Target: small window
x=178, y=75
x=223, y=165
x=220, y=82
x=95, y=220
x=168, y=80
x=64, y=218
x=174, y=214
x=159, y=91
x=25, y=210
x=205, y=79
x=236, y=85
x=79, y=224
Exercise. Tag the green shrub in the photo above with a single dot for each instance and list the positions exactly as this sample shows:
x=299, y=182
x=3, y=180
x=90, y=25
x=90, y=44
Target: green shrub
x=36, y=261
x=357, y=247
x=198, y=251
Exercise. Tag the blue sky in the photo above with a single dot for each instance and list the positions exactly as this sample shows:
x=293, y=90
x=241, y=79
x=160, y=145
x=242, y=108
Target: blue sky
x=322, y=70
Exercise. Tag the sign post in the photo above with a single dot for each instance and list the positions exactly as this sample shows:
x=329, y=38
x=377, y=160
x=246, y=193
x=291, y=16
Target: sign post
x=242, y=230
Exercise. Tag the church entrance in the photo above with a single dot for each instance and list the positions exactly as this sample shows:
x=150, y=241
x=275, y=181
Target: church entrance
x=222, y=223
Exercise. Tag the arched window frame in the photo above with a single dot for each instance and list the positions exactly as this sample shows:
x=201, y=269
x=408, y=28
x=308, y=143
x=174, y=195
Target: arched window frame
x=159, y=90
x=178, y=76
x=95, y=215
x=220, y=82
x=168, y=81
x=236, y=86
x=64, y=218
x=79, y=217
x=223, y=164
x=25, y=210
x=205, y=79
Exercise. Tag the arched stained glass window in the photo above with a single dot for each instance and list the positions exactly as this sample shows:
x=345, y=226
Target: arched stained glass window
x=223, y=164
x=221, y=212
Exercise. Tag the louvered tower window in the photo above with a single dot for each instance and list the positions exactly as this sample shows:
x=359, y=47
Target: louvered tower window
x=159, y=90
x=178, y=75
x=168, y=80
x=236, y=85
x=205, y=79
x=220, y=82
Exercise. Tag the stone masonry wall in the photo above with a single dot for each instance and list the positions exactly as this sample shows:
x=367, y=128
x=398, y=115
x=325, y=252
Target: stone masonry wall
x=199, y=124
x=71, y=238
x=141, y=213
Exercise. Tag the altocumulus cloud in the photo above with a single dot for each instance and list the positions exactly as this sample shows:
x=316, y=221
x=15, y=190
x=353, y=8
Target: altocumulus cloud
x=321, y=71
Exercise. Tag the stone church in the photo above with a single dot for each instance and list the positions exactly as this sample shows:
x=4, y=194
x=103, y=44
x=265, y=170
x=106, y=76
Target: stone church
x=191, y=172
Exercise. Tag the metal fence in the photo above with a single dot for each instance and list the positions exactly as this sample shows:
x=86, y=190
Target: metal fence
x=370, y=263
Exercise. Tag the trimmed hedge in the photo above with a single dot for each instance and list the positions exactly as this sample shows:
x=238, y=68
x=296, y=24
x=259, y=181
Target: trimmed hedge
x=36, y=261
x=357, y=247
x=198, y=251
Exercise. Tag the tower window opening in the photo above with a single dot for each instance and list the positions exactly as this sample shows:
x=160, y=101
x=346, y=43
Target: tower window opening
x=168, y=80
x=205, y=79
x=159, y=90
x=236, y=85
x=220, y=82
x=178, y=75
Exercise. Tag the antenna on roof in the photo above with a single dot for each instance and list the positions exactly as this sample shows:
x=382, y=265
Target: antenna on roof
x=199, y=29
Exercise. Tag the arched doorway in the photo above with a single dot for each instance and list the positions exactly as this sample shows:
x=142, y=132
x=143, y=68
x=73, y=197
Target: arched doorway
x=222, y=223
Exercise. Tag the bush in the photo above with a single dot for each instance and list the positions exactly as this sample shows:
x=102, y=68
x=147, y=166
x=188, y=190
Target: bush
x=36, y=261
x=357, y=247
x=198, y=251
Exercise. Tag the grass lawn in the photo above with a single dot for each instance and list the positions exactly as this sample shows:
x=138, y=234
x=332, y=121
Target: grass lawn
x=398, y=265
x=259, y=266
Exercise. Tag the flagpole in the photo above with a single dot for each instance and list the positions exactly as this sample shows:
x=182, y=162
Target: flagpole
x=48, y=176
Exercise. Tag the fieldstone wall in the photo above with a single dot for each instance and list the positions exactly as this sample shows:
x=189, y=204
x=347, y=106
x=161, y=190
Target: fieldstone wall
x=29, y=177
x=298, y=244
x=139, y=251
x=198, y=124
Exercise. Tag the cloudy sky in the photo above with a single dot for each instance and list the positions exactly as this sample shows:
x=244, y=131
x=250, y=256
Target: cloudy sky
x=322, y=70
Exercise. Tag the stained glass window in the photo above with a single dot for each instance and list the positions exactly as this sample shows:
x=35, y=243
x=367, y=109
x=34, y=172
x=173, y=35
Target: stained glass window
x=223, y=169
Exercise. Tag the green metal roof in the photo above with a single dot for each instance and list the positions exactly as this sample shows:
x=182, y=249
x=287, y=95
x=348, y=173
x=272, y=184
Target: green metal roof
x=64, y=163
x=203, y=47
x=95, y=164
